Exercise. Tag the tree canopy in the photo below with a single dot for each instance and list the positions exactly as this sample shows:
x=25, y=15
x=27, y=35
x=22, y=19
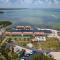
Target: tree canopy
x=5, y=23
x=41, y=57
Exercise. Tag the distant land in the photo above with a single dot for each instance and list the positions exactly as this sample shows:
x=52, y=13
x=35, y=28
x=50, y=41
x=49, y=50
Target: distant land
x=58, y=9
x=12, y=8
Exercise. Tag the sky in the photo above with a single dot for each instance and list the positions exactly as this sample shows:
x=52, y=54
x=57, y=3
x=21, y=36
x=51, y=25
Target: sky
x=29, y=3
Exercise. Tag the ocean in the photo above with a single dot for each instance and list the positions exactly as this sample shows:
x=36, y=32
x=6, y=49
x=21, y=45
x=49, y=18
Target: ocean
x=38, y=17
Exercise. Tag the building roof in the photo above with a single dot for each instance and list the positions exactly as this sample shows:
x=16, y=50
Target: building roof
x=8, y=33
x=33, y=30
x=27, y=33
x=38, y=33
x=46, y=31
x=24, y=33
x=23, y=27
x=16, y=33
x=56, y=55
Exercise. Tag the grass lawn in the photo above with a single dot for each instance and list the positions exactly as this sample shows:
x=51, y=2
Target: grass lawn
x=50, y=44
x=17, y=37
x=22, y=41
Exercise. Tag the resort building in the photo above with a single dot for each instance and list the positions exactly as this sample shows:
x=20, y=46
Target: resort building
x=23, y=27
x=24, y=33
x=40, y=36
x=17, y=49
x=50, y=32
x=27, y=33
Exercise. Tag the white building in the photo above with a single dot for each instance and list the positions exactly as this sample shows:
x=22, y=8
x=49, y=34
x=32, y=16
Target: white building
x=55, y=55
x=40, y=38
x=17, y=49
x=53, y=34
x=30, y=45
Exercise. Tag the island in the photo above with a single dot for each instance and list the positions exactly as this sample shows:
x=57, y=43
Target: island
x=5, y=23
x=1, y=12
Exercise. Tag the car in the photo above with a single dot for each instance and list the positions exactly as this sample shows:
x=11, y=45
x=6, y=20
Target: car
x=34, y=52
x=23, y=58
x=26, y=55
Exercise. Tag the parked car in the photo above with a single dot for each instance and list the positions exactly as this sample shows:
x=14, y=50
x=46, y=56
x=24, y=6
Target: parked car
x=23, y=58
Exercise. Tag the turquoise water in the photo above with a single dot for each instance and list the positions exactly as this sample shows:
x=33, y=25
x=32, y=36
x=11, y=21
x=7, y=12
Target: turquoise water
x=32, y=16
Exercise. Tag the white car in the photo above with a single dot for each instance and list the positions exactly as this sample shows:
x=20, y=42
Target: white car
x=23, y=58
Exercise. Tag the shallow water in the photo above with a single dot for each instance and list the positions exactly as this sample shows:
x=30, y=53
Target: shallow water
x=32, y=16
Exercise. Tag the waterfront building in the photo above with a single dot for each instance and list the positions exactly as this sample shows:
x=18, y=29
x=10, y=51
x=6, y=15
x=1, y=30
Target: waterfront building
x=23, y=27
x=29, y=33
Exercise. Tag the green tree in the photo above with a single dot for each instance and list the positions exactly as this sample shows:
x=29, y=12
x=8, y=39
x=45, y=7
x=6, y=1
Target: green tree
x=5, y=23
x=22, y=53
x=41, y=57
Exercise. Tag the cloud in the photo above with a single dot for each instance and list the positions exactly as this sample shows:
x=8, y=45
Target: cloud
x=30, y=3
x=4, y=1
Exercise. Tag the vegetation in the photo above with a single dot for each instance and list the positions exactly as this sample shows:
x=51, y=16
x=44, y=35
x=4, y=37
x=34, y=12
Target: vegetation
x=5, y=23
x=22, y=53
x=6, y=53
x=41, y=57
x=50, y=44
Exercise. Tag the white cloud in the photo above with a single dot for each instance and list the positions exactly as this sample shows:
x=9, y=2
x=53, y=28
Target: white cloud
x=29, y=3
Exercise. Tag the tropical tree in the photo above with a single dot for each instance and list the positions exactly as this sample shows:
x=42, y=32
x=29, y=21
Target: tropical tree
x=5, y=23
x=41, y=57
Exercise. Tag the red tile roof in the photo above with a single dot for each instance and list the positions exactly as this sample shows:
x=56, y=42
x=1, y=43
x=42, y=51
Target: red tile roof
x=24, y=33
x=27, y=33
x=38, y=33
x=8, y=33
x=16, y=33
